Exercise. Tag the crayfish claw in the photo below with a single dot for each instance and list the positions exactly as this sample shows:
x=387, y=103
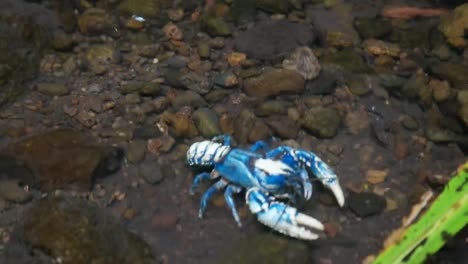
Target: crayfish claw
x=282, y=217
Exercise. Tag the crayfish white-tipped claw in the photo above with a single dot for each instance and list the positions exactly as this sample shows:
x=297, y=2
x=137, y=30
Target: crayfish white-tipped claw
x=301, y=233
x=307, y=221
x=338, y=193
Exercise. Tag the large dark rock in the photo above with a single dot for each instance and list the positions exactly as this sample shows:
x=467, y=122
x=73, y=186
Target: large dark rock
x=25, y=32
x=268, y=248
x=78, y=232
x=270, y=40
x=64, y=158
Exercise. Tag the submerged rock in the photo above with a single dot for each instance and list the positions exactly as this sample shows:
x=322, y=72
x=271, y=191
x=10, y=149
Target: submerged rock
x=180, y=124
x=348, y=60
x=456, y=74
x=98, y=57
x=321, y=122
x=75, y=231
x=366, y=204
x=271, y=39
x=64, y=158
x=207, y=122
x=455, y=25
x=14, y=191
x=268, y=248
x=335, y=24
x=304, y=62
x=372, y=27
x=21, y=46
x=215, y=26
x=146, y=8
x=274, y=82
x=53, y=89
x=273, y=6
x=95, y=21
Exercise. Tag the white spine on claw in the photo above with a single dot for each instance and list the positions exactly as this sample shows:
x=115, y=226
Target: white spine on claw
x=273, y=167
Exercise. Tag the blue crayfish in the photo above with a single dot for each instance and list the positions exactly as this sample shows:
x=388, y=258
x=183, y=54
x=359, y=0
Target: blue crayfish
x=278, y=173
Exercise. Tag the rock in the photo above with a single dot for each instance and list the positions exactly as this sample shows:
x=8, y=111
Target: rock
x=336, y=24
x=357, y=121
x=331, y=229
x=12, y=169
x=348, y=60
x=321, y=122
x=62, y=41
x=440, y=90
x=52, y=223
x=215, y=26
x=207, y=122
x=23, y=40
x=283, y=126
x=366, y=203
x=63, y=157
x=400, y=147
x=409, y=123
x=175, y=14
x=274, y=82
x=136, y=151
x=358, y=86
x=203, y=49
x=376, y=176
x=134, y=24
x=303, y=61
x=180, y=124
x=456, y=74
x=442, y=52
x=414, y=35
x=165, y=221
x=70, y=65
x=172, y=31
x=368, y=27
x=236, y=58
x=98, y=57
x=52, y=89
x=14, y=190
x=146, y=132
x=271, y=107
x=196, y=82
x=150, y=172
x=463, y=114
x=226, y=79
x=145, y=8
x=455, y=25
x=188, y=98
x=147, y=88
x=128, y=214
x=132, y=98
x=269, y=40
x=259, y=131
x=412, y=88
x=462, y=98
x=217, y=95
x=243, y=125
x=324, y=84
x=379, y=47
x=279, y=249
x=95, y=21
x=273, y=6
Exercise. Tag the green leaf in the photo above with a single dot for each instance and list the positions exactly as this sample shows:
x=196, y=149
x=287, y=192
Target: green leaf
x=447, y=215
